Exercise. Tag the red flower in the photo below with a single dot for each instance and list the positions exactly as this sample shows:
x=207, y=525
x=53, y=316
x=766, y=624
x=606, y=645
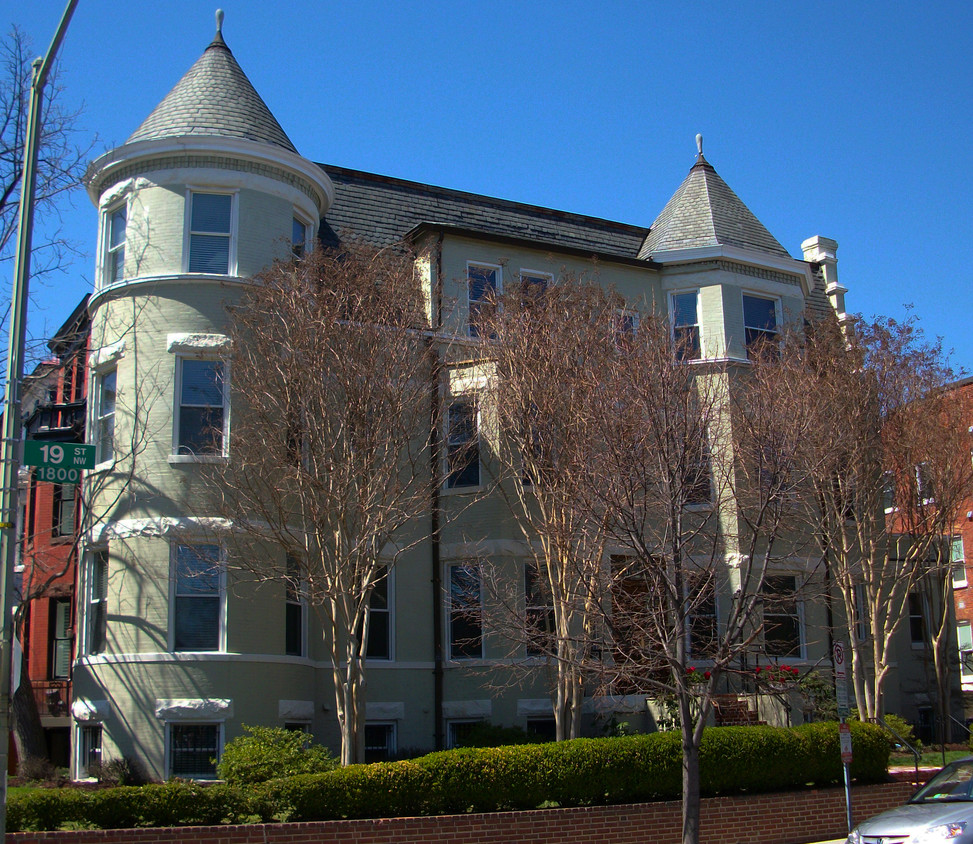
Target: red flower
x=690, y=669
x=706, y=675
x=757, y=670
x=785, y=668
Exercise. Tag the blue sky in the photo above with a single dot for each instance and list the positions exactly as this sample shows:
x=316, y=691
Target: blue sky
x=851, y=120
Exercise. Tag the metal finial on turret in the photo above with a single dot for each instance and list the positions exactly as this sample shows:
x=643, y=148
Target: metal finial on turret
x=219, y=21
x=699, y=143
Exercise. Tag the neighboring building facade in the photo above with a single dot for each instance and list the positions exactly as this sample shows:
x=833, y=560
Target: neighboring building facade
x=961, y=557
x=54, y=412
x=208, y=191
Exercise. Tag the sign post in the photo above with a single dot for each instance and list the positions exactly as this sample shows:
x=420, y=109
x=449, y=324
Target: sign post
x=844, y=731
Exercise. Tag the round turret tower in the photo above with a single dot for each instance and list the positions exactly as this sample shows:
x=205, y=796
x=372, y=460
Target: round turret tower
x=208, y=191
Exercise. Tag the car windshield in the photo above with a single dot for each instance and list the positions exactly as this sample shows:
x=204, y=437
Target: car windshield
x=953, y=782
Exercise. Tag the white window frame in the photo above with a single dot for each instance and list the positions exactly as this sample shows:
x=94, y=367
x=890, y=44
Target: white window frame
x=957, y=563
x=964, y=645
x=96, y=556
x=778, y=316
x=296, y=597
x=448, y=628
x=231, y=259
x=673, y=327
x=220, y=733
x=62, y=639
x=451, y=723
x=798, y=615
x=471, y=303
x=392, y=731
x=298, y=219
x=535, y=609
x=473, y=400
x=389, y=581
x=528, y=276
x=220, y=594
x=101, y=418
x=208, y=457
x=108, y=252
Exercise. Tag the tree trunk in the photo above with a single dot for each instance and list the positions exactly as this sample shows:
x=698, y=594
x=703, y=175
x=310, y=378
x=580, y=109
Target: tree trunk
x=690, y=780
x=28, y=732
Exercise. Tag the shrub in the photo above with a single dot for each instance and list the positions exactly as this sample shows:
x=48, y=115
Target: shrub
x=124, y=771
x=37, y=768
x=572, y=773
x=271, y=752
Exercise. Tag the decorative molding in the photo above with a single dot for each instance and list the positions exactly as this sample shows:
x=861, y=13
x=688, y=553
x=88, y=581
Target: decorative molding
x=467, y=708
x=387, y=711
x=193, y=709
x=296, y=710
x=90, y=710
x=759, y=272
x=194, y=342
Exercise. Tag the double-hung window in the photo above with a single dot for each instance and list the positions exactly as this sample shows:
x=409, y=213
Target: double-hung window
x=198, y=598
x=298, y=237
x=379, y=644
x=698, y=479
x=106, y=394
x=97, y=600
x=465, y=612
x=65, y=506
x=917, y=621
x=116, y=222
x=210, y=233
x=295, y=625
x=783, y=617
x=761, y=326
x=702, y=623
x=483, y=288
x=61, y=640
x=964, y=642
x=379, y=742
x=462, y=444
x=685, y=325
x=957, y=561
x=202, y=407
x=539, y=610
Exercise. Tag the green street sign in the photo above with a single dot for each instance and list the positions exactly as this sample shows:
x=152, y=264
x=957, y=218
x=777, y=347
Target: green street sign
x=59, y=463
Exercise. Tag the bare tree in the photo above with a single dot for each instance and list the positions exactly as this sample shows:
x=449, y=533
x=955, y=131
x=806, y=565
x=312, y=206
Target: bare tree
x=329, y=460
x=888, y=464
x=645, y=484
x=63, y=152
x=551, y=345
x=694, y=482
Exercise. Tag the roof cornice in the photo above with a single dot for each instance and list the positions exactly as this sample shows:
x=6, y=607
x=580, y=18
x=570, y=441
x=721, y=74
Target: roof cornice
x=750, y=257
x=102, y=168
x=428, y=226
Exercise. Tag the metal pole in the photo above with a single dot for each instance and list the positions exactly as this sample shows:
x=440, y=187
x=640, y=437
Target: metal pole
x=11, y=446
x=847, y=796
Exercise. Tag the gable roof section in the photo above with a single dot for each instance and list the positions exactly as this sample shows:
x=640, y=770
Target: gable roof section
x=382, y=210
x=214, y=98
x=704, y=211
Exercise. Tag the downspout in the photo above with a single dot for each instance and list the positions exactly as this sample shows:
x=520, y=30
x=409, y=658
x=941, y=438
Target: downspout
x=435, y=508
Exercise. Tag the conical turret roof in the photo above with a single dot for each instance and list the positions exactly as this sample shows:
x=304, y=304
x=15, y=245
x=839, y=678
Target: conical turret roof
x=704, y=211
x=214, y=99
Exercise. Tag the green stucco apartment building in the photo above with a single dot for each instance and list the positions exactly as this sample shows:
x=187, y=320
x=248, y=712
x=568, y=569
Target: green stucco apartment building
x=204, y=194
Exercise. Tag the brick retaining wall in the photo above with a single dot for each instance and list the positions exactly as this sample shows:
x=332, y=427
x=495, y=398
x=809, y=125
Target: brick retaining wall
x=779, y=818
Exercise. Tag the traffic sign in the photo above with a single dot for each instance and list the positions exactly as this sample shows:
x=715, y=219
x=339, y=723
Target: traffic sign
x=844, y=736
x=841, y=680
x=59, y=462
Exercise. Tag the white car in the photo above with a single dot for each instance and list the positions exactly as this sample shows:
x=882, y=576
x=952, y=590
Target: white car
x=942, y=810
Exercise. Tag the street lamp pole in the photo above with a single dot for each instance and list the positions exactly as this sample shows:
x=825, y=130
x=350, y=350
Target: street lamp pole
x=11, y=446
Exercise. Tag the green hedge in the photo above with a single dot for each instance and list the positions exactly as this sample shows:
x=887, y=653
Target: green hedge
x=572, y=773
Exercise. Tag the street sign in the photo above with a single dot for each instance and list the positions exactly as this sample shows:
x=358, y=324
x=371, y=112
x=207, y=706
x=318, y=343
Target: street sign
x=844, y=737
x=841, y=679
x=59, y=462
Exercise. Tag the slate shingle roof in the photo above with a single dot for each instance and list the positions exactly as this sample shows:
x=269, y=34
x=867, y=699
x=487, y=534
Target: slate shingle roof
x=704, y=211
x=214, y=98
x=381, y=210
